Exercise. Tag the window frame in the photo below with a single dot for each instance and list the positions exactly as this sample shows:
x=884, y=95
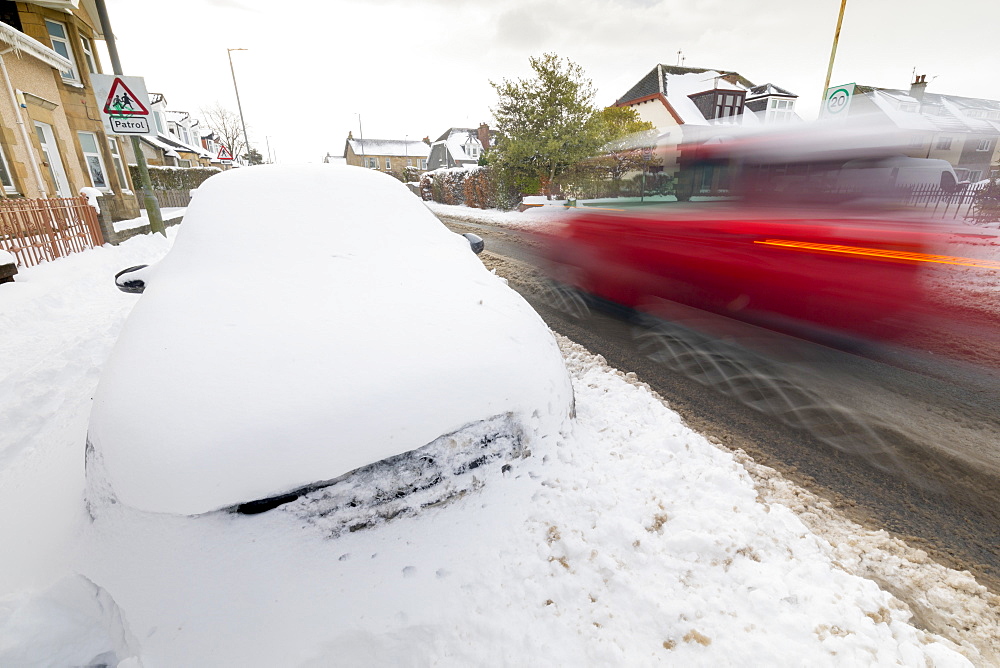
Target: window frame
x=943, y=144
x=723, y=103
x=73, y=72
x=985, y=145
x=91, y=154
x=388, y=165
x=10, y=188
x=423, y=163
x=88, y=54
x=116, y=159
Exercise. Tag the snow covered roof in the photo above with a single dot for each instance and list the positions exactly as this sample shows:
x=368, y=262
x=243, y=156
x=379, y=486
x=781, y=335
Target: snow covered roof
x=678, y=84
x=768, y=90
x=935, y=112
x=657, y=81
x=21, y=43
x=459, y=141
x=413, y=147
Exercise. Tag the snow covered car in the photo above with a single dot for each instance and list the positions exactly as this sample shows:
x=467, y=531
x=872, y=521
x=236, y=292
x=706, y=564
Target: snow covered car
x=316, y=325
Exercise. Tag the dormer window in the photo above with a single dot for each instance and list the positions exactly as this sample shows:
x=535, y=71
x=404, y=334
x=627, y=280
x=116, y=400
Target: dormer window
x=908, y=106
x=473, y=150
x=728, y=105
x=779, y=110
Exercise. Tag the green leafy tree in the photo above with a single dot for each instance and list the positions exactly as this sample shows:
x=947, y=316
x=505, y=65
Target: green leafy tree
x=624, y=135
x=546, y=124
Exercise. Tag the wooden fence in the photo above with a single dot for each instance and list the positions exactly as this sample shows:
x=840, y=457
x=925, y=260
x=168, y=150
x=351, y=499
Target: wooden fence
x=37, y=230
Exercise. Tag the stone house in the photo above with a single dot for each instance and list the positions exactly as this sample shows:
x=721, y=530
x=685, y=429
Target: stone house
x=460, y=147
x=387, y=155
x=52, y=141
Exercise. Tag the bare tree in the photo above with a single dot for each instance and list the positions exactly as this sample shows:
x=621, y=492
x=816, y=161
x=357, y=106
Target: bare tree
x=226, y=124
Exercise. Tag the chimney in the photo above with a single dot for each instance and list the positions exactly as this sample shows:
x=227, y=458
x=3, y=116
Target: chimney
x=350, y=134
x=918, y=87
x=427, y=140
x=483, y=135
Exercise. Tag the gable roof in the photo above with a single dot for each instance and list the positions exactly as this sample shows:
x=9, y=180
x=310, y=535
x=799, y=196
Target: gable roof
x=659, y=78
x=457, y=139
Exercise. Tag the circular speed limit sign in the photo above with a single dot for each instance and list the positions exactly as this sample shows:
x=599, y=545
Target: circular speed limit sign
x=837, y=100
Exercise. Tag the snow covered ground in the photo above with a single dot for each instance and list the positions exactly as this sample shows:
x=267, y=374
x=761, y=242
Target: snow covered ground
x=632, y=541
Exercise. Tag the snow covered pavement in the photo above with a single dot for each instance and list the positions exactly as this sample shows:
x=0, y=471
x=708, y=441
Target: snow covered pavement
x=630, y=541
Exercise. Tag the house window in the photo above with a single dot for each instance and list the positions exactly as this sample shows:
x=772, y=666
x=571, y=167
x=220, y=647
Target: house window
x=92, y=156
x=423, y=164
x=915, y=141
x=88, y=55
x=184, y=163
x=387, y=165
x=985, y=145
x=473, y=151
x=373, y=163
x=907, y=106
x=116, y=158
x=158, y=122
x=943, y=143
x=973, y=176
x=409, y=162
x=727, y=105
x=60, y=44
x=8, y=184
x=779, y=111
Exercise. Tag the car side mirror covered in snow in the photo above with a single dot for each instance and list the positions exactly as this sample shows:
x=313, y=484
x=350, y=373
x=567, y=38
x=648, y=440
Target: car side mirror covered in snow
x=128, y=283
x=476, y=242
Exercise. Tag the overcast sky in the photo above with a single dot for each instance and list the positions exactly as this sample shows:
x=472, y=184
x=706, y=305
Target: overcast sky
x=417, y=67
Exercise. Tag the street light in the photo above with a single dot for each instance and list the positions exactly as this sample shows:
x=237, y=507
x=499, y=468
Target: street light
x=246, y=142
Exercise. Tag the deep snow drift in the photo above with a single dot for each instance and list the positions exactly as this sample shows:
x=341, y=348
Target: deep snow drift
x=629, y=541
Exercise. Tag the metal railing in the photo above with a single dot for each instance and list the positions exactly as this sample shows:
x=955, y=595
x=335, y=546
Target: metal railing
x=38, y=230
x=167, y=198
x=942, y=203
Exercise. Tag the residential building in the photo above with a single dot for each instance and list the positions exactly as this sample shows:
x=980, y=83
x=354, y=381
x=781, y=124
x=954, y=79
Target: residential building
x=387, y=155
x=52, y=141
x=460, y=147
x=178, y=140
x=965, y=131
x=682, y=102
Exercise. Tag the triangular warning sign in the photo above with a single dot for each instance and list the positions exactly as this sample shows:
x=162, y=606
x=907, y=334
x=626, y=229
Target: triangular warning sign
x=123, y=102
x=224, y=153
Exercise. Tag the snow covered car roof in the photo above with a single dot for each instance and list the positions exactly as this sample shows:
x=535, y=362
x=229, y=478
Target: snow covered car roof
x=308, y=321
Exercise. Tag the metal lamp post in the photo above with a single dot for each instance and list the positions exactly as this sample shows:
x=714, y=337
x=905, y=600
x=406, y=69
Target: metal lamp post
x=246, y=142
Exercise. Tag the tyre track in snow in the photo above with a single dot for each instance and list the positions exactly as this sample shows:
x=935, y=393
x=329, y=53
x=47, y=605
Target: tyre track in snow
x=945, y=505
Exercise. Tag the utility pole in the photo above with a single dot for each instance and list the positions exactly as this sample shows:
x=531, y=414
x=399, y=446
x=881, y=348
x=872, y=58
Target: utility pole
x=152, y=207
x=246, y=142
x=833, y=52
x=362, y=133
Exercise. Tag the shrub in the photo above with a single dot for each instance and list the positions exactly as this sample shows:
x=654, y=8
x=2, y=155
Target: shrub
x=174, y=178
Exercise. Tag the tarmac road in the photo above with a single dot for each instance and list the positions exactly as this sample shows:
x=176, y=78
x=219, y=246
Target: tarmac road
x=899, y=442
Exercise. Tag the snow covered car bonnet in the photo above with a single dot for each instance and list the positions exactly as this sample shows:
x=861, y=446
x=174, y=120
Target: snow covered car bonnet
x=308, y=321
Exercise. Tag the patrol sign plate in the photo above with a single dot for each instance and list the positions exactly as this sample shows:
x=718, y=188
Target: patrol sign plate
x=123, y=104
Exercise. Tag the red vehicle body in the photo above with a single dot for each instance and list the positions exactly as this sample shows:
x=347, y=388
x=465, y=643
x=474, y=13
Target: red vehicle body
x=784, y=268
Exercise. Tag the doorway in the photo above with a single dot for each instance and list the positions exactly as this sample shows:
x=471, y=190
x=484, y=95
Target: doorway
x=50, y=153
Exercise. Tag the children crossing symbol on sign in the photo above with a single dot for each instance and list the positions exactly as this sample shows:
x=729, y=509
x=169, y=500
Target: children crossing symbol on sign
x=224, y=154
x=123, y=102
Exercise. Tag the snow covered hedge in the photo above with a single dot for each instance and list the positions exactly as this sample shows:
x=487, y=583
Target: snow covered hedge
x=479, y=187
x=175, y=178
